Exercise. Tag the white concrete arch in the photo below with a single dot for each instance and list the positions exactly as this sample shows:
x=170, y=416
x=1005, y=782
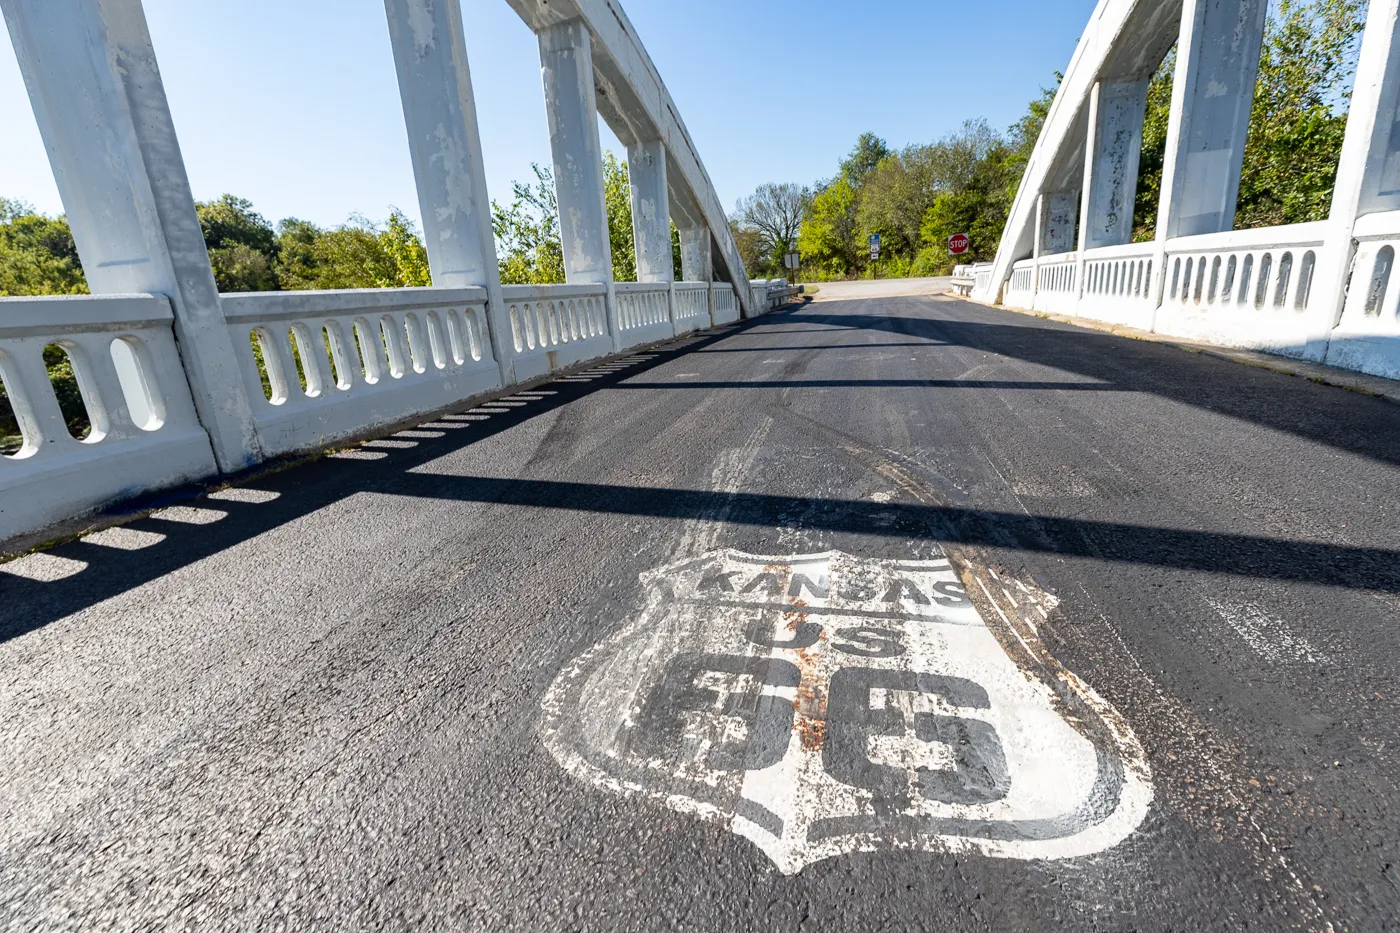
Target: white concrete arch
x=186, y=382
x=1317, y=291
x=630, y=95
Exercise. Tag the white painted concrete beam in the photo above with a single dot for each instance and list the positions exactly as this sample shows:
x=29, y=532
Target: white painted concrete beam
x=1217, y=63
x=1124, y=38
x=637, y=106
x=96, y=90
x=696, y=257
x=435, y=85
x=1368, y=176
x=1058, y=217
x=1116, y=114
x=651, y=212
x=566, y=59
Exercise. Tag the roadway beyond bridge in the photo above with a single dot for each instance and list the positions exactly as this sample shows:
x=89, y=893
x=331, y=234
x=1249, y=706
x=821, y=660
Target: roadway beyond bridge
x=873, y=614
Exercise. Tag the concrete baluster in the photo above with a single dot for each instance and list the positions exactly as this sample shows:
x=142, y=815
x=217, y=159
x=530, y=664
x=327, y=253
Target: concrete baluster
x=91, y=72
x=435, y=85
x=566, y=61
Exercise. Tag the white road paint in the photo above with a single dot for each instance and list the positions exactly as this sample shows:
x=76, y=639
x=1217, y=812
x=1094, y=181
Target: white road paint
x=1269, y=637
x=826, y=704
x=881, y=288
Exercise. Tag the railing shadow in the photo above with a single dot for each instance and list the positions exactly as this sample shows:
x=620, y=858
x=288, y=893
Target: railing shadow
x=1338, y=419
x=83, y=573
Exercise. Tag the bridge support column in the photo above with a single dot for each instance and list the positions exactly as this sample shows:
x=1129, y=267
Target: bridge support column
x=1058, y=212
x=91, y=72
x=1368, y=172
x=1117, y=110
x=566, y=60
x=1217, y=63
x=651, y=212
x=435, y=85
x=696, y=263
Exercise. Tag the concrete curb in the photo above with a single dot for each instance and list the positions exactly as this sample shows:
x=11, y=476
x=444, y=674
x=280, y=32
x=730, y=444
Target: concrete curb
x=1375, y=386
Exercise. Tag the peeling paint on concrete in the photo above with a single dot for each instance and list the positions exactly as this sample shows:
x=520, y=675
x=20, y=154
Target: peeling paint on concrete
x=825, y=704
x=421, y=21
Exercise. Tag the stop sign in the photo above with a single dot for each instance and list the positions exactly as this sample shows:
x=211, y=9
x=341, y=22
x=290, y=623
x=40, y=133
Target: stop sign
x=958, y=244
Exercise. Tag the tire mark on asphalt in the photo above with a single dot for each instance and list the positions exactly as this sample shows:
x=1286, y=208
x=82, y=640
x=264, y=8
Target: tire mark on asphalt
x=1021, y=639
x=1308, y=895
x=701, y=533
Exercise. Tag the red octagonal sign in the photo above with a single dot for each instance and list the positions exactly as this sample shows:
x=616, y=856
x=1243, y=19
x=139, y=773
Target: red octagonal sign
x=958, y=244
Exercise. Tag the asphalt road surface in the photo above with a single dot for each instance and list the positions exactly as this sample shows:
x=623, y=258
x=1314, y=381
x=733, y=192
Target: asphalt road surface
x=881, y=614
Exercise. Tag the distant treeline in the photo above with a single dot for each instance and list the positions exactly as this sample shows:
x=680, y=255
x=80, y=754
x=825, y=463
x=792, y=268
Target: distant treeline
x=248, y=253
x=917, y=198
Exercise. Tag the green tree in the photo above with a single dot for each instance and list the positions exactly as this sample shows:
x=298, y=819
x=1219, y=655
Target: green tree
x=242, y=244
x=774, y=214
x=899, y=192
x=828, y=237
x=240, y=268
x=870, y=150
x=527, y=233
x=358, y=254
x=978, y=207
x=37, y=253
x=750, y=248
x=296, y=254
x=1296, y=124
x=405, y=250
x=617, y=195
x=1154, y=150
x=1299, y=118
x=676, y=252
x=528, y=246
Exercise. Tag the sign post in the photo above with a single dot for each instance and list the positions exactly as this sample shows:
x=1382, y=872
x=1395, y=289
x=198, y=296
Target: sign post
x=874, y=242
x=792, y=261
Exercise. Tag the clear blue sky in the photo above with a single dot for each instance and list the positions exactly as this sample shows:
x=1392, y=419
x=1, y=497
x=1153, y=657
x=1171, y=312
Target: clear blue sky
x=294, y=103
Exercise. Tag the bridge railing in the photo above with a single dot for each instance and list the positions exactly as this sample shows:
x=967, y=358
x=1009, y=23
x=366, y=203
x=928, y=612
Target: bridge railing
x=142, y=429
x=771, y=294
x=181, y=382
x=724, y=304
x=1320, y=291
x=324, y=366
x=1057, y=284
x=1368, y=332
x=1020, y=290
x=981, y=277
x=555, y=326
x=1118, y=284
x=690, y=302
x=644, y=312
x=1243, y=287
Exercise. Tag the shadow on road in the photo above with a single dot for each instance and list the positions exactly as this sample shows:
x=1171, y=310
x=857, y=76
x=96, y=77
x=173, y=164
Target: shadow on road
x=387, y=467
x=1370, y=428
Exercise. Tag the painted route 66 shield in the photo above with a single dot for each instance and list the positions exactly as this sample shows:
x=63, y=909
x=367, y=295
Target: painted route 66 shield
x=826, y=704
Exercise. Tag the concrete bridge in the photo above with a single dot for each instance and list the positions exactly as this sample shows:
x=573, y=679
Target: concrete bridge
x=1315, y=291
x=612, y=606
